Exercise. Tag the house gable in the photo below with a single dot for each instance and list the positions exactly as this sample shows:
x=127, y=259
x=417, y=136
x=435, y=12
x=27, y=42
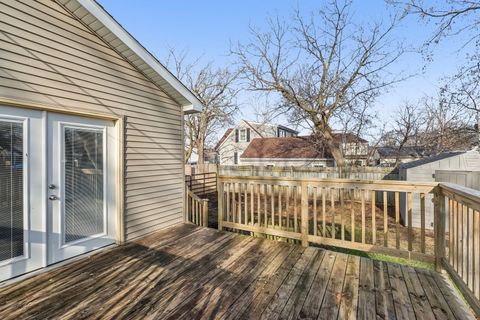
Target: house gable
x=49, y=58
x=95, y=18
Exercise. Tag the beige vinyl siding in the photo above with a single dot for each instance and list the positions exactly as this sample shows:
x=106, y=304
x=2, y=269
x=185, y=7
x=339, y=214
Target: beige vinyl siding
x=47, y=56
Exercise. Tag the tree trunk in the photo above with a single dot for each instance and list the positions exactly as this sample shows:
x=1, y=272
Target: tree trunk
x=188, y=153
x=201, y=151
x=334, y=148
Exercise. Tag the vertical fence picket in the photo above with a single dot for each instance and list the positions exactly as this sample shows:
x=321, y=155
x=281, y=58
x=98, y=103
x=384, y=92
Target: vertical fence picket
x=385, y=219
x=374, y=218
x=397, y=219
x=422, y=222
x=315, y=213
x=362, y=195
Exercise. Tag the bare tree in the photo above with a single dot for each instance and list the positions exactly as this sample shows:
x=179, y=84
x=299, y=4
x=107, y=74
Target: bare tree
x=360, y=123
x=446, y=125
x=321, y=66
x=406, y=127
x=216, y=89
x=452, y=17
x=464, y=90
x=461, y=93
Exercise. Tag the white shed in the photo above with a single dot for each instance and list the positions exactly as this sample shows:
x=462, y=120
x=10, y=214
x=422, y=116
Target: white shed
x=460, y=167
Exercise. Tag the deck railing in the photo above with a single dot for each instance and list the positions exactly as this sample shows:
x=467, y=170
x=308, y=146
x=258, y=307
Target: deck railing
x=460, y=208
x=196, y=209
x=388, y=217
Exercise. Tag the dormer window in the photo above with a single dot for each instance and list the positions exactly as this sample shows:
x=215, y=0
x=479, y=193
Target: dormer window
x=243, y=135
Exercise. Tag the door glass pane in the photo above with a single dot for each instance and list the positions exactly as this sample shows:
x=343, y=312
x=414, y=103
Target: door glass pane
x=83, y=172
x=11, y=190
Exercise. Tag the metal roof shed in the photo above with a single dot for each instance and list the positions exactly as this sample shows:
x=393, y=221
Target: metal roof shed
x=460, y=167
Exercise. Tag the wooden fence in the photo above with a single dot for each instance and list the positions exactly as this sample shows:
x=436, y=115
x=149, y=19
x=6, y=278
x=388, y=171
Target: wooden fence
x=360, y=173
x=202, y=183
x=196, y=209
x=200, y=168
x=336, y=212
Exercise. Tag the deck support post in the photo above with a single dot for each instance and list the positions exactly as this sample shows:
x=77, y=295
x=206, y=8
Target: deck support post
x=220, y=204
x=439, y=224
x=304, y=214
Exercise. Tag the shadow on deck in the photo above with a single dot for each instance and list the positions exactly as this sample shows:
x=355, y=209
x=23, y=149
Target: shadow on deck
x=191, y=272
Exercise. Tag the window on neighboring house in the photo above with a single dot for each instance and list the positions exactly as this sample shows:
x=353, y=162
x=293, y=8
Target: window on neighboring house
x=235, y=158
x=281, y=133
x=243, y=135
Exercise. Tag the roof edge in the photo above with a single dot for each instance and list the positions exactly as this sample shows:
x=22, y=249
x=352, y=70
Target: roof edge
x=191, y=104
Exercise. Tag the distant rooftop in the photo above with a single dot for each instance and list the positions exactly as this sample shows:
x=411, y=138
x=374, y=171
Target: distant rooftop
x=441, y=156
x=285, y=148
x=405, y=152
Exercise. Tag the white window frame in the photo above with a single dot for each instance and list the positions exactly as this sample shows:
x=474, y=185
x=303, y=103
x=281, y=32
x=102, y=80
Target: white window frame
x=93, y=128
x=244, y=132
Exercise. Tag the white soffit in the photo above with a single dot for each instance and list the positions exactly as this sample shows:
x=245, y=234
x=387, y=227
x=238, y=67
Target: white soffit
x=106, y=27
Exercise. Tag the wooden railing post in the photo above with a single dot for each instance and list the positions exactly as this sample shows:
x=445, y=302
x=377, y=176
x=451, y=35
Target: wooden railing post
x=304, y=215
x=185, y=209
x=205, y=212
x=439, y=225
x=220, y=203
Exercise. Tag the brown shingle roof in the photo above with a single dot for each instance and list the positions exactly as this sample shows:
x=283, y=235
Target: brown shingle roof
x=284, y=148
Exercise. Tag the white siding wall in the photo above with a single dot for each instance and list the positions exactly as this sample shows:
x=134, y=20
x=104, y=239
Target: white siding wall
x=228, y=148
x=469, y=161
x=47, y=56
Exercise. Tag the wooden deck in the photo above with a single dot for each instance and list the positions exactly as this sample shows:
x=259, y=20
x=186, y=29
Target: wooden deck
x=191, y=272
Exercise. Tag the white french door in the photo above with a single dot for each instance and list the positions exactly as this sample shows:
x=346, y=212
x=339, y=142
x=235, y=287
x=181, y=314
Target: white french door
x=22, y=205
x=57, y=188
x=81, y=176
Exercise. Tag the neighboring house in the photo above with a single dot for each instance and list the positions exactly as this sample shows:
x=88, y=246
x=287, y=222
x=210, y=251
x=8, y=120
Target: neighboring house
x=459, y=167
x=91, y=137
x=235, y=140
x=354, y=148
x=211, y=156
x=304, y=151
x=288, y=151
x=387, y=156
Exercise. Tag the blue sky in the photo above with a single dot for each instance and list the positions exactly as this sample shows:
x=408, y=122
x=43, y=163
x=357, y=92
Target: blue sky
x=206, y=28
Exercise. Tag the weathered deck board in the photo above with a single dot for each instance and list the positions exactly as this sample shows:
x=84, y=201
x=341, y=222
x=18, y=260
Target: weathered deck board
x=188, y=272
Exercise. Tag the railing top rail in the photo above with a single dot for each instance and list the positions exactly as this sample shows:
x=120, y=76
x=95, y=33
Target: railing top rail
x=305, y=169
x=193, y=195
x=461, y=194
x=389, y=185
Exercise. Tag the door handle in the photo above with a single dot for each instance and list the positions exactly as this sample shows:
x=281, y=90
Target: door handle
x=53, y=197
